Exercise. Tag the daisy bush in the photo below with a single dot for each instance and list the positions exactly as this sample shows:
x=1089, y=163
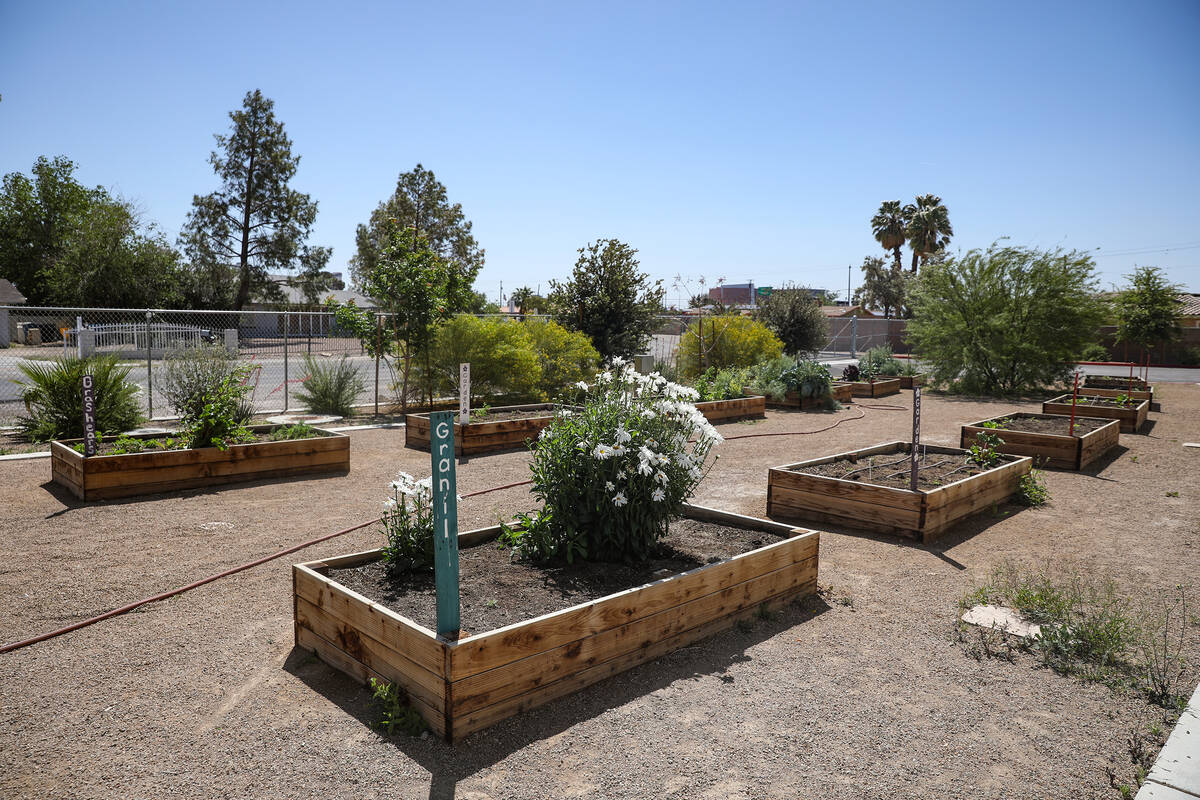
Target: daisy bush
x=613, y=472
x=408, y=524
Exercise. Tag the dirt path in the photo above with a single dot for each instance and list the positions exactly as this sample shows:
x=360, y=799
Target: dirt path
x=863, y=694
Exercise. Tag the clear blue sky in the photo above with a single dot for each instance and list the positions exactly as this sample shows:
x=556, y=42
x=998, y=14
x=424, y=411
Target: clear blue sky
x=735, y=140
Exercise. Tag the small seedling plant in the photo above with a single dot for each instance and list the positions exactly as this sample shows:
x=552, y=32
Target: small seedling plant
x=395, y=715
x=984, y=450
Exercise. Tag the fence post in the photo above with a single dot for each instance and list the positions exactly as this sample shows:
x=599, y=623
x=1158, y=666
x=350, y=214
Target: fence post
x=378, y=342
x=287, y=324
x=853, y=335
x=149, y=371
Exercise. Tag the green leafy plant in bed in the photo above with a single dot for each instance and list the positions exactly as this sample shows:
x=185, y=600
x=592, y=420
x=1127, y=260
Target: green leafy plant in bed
x=778, y=376
x=721, y=384
x=215, y=419
x=877, y=362
x=301, y=430
x=984, y=450
x=408, y=525
x=615, y=473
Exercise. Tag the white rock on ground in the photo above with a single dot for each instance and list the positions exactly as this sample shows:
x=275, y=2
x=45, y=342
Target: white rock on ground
x=1002, y=619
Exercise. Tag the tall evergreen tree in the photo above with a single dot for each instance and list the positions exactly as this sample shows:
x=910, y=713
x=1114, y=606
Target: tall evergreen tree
x=419, y=202
x=255, y=222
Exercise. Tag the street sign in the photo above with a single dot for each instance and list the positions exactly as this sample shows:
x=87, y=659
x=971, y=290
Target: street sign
x=916, y=436
x=764, y=291
x=464, y=393
x=89, y=418
x=445, y=521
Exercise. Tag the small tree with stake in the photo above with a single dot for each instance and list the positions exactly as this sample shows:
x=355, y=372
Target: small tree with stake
x=417, y=289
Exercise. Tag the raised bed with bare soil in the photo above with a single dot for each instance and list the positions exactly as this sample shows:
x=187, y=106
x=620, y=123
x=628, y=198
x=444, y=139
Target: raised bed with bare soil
x=103, y=477
x=1048, y=439
x=480, y=678
x=1115, y=382
x=841, y=392
x=906, y=381
x=1131, y=414
x=880, y=387
x=501, y=428
x=733, y=409
x=870, y=489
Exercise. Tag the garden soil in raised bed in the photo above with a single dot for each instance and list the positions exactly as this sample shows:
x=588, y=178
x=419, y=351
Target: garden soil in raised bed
x=893, y=469
x=496, y=591
x=1057, y=425
x=504, y=416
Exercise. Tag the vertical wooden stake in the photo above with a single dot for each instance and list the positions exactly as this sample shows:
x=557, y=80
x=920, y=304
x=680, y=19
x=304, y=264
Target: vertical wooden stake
x=445, y=521
x=916, y=434
x=1074, y=399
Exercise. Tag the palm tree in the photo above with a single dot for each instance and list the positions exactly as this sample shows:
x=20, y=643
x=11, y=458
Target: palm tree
x=889, y=225
x=928, y=228
x=521, y=297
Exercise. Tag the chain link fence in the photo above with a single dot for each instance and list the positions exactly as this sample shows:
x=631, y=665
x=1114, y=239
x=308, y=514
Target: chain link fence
x=274, y=345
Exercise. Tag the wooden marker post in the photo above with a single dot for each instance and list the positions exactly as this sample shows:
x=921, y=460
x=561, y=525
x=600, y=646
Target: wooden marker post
x=445, y=521
x=89, y=418
x=916, y=434
x=464, y=393
x=1074, y=400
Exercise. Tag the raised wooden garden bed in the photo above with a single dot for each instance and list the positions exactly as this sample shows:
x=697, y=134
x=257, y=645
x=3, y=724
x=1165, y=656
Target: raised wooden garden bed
x=127, y=475
x=1136, y=394
x=753, y=407
x=1114, y=382
x=463, y=686
x=484, y=436
x=879, y=387
x=906, y=381
x=925, y=514
x=1131, y=417
x=1093, y=438
x=841, y=392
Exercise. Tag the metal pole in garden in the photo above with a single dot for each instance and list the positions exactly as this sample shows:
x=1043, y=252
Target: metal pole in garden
x=853, y=335
x=1074, y=400
x=149, y=371
x=916, y=433
x=445, y=521
x=286, y=326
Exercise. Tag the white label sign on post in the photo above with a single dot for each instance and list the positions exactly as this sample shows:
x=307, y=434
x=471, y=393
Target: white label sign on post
x=464, y=393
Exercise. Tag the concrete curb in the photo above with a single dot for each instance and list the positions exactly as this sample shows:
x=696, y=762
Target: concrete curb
x=1176, y=772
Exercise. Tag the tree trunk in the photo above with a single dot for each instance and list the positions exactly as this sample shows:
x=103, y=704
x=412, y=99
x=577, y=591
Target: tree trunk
x=916, y=255
x=899, y=258
x=243, y=293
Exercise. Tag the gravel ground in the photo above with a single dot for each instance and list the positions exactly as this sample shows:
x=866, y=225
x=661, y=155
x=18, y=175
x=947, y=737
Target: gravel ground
x=862, y=694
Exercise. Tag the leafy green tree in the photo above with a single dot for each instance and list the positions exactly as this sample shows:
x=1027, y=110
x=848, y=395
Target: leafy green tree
x=416, y=289
x=883, y=286
x=928, y=227
x=609, y=299
x=795, y=316
x=255, y=223
x=64, y=244
x=420, y=202
x=1148, y=311
x=730, y=340
x=889, y=226
x=1004, y=320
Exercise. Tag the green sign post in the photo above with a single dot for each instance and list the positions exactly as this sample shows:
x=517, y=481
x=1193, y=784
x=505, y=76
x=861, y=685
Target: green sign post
x=445, y=521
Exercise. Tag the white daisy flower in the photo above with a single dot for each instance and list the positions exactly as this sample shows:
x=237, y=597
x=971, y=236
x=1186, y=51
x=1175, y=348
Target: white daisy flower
x=601, y=452
x=661, y=477
x=608, y=485
x=657, y=495
x=619, y=499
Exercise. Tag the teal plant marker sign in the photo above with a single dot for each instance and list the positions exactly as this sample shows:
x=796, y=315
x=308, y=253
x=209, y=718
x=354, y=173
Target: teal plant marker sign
x=445, y=521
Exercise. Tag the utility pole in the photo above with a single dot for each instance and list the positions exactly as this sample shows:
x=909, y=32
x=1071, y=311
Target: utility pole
x=849, y=273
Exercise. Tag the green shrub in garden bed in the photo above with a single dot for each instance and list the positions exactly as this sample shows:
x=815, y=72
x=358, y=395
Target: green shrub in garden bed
x=53, y=397
x=615, y=472
x=778, y=376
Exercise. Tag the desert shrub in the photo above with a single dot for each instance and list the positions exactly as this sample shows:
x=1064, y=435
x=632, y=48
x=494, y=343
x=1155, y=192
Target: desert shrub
x=722, y=384
x=566, y=357
x=778, y=376
x=189, y=372
x=726, y=341
x=879, y=361
x=408, y=525
x=614, y=474
x=1004, y=320
x=330, y=387
x=215, y=419
x=501, y=352
x=795, y=316
x=53, y=395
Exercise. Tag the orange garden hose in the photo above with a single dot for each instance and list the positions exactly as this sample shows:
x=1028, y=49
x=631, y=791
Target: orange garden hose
x=116, y=612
